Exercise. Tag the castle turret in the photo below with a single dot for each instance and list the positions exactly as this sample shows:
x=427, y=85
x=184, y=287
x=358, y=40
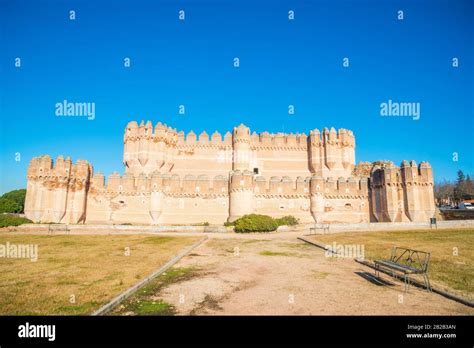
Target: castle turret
x=330, y=149
x=315, y=153
x=393, y=196
x=160, y=145
x=62, y=174
x=37, y=199
x=77, y=196
x=345, y=142
x=426, y=190
x=144, y=131
x=241, y=194
x=57, y=192
x=409, y=173
x=156, y=197
x=332, y=154
x=130, y=141
x=317, y=197
x=241, y=144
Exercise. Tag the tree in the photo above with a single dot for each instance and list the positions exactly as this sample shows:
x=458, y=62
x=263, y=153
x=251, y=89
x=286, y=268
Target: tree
x=13, y=200
x=444, y=192
x=9, y=206
x=469, y=188
x=463, y=188
x=455, y=191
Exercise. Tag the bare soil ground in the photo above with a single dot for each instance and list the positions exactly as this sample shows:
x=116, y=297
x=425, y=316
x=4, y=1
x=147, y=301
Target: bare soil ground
x=279, y=275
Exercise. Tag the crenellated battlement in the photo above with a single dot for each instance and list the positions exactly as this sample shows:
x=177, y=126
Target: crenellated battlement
x=43, y=168
x=162, y=132
x=160, y=182
x=342, y=187
x=387, y=173
x=343, y=137
x=306, y=186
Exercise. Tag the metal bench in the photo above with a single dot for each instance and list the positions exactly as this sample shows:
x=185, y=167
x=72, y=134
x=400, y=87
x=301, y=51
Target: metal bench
x=324, y=227
x=58, y=228
x=406, y=261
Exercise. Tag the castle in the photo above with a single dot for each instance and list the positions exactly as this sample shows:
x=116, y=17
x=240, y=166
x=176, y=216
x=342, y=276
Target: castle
x=171, y=178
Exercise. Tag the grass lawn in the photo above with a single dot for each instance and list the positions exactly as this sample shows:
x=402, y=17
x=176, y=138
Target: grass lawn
x=76, y=274
x=454, y=273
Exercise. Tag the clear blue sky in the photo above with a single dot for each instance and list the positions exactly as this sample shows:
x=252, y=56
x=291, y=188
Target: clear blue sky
x=283, y=62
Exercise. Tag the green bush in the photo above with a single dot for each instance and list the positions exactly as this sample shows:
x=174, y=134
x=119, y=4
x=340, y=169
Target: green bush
x=261, y=223
x=10, y=220
x=288, y=220
x=255, y=223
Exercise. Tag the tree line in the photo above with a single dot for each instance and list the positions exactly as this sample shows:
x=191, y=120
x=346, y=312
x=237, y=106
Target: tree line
x=454, y=192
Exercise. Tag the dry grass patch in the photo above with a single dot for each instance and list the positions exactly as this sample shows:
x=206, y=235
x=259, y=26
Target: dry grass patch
x=454, y=273
x=88, y=269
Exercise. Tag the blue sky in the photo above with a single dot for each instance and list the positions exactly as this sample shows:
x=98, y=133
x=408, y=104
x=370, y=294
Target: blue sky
x=282, y=62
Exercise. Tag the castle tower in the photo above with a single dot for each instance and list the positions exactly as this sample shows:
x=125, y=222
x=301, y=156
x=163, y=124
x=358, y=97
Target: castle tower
x=77, y=196
x=409, y=172
x=130, y=141
x=241, y=145
x=393, y=194
x=160, y=146
x=347, y=149
x=332, y=154
x=317, y=198
x=37, y=195
x=315, y=152
x=145, y=134
x=156, y=197
x=241, y=194
x=62, y=173
x=427, y=192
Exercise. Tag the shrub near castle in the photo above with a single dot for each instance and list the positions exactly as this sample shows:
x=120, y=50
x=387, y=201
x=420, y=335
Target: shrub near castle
x=261, y=223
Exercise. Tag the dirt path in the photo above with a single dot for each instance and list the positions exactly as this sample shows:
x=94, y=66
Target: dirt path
x=278, y=275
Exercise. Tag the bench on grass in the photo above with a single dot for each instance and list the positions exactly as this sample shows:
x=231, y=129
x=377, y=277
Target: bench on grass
x=406, y=261
x=323, y=227
x=58, y=228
